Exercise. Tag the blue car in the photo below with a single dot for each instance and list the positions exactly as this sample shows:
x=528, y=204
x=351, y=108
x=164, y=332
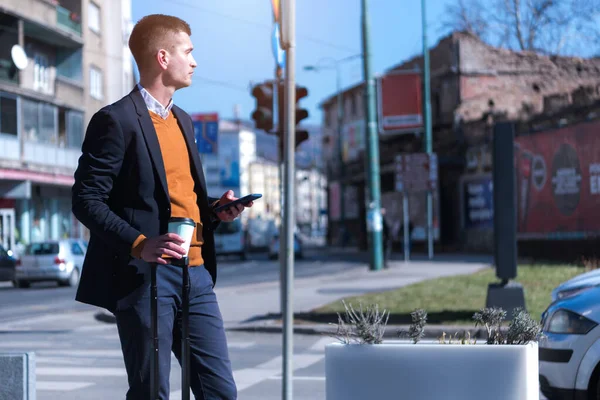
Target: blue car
x=569, y=352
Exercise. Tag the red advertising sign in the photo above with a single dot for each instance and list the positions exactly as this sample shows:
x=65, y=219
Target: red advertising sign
x=558, y=183
x=400, y=103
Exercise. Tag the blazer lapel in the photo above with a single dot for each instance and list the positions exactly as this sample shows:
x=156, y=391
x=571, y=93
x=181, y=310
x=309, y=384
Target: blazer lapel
x=151, y=139
x=187, y=128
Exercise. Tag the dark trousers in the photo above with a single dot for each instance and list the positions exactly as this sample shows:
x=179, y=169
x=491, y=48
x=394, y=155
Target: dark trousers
x=211, y=377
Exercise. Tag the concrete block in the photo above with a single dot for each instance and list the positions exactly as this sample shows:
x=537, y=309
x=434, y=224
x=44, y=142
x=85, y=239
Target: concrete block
x=508, y=297
x=17, y=376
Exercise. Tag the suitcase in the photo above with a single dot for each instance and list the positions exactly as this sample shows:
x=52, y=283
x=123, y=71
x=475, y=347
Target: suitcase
x=185, y=333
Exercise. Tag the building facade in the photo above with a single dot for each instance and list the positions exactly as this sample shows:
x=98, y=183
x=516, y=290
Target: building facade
x=473, y=85
x=76, y=64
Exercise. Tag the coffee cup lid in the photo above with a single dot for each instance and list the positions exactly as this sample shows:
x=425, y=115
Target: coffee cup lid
x=182, y=220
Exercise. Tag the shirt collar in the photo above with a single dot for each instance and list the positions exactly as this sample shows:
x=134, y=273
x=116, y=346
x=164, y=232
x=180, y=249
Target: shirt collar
x=154, y=105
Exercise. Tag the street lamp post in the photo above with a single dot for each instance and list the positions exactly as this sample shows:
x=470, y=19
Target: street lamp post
x=335, y=64
x=374, y=218
x=428, y=127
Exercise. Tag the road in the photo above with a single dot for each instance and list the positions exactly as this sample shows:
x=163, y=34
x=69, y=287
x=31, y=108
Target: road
x=78, y=356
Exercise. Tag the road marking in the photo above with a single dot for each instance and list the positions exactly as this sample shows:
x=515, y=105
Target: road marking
x=83, y=353
x=27, y=323
x=85, y=371
x=319, y=346
x=27, y=345
x=240, y=345
x=62, y=386
x=64, y=361
x=300, y=378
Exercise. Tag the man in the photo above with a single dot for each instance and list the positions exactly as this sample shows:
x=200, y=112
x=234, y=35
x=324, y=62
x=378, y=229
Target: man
x=139, y=168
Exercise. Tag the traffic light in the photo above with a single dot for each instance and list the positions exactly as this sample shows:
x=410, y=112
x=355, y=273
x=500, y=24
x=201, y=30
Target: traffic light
x=301, y=113
x=263, y=115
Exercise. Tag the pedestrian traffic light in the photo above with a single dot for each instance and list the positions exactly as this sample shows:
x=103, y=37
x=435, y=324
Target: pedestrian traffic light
x=301, y=113
x=263, y=115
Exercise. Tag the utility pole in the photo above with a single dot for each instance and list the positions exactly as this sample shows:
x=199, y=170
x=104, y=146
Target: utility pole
x=428, y=128
x=287, y=239
x=374, y=221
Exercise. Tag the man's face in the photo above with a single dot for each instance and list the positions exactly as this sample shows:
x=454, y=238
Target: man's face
x=181, y=63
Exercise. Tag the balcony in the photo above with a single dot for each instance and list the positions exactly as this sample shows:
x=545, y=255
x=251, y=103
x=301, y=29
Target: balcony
x=68, y=20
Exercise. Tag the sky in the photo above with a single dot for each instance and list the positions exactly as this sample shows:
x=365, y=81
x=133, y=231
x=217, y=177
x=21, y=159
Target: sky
x=232, y=46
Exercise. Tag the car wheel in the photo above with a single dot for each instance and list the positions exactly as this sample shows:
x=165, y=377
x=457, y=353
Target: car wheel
x=22, y=284
x=243, y=256
x=272, y=256
x=73, y=279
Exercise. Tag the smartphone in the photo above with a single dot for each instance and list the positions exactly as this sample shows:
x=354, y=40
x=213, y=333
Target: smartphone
x=242, y=200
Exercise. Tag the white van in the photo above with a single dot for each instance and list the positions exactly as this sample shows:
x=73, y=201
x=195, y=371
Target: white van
x=230, y=238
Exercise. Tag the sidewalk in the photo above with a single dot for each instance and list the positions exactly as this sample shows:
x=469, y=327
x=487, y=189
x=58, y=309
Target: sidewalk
x=256, y=307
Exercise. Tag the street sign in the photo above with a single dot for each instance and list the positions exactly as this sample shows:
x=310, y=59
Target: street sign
x=206, y=132
x=416, y=172
x=278, y=52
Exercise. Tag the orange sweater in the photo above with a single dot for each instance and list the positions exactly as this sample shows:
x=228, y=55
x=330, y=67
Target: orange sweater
x=179, y=181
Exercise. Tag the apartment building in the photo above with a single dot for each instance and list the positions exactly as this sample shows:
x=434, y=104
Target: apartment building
x=77, y=61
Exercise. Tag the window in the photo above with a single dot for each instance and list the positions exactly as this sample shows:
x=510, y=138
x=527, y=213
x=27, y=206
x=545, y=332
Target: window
x=42, y=249
x=41, y=73
x=40, y=122
x=8, y=115
x=74, y=129
x=69, y=64
x=96, y=83
x=94, y=17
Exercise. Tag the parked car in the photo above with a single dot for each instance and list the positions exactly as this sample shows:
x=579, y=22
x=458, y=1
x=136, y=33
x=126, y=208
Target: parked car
x=231, y=239
x=569, y=352
x=575, y=285
x=274, y=247
x=7, y=266
x=59, y=260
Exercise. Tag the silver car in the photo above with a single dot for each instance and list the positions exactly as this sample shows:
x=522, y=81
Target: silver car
x=59, y=261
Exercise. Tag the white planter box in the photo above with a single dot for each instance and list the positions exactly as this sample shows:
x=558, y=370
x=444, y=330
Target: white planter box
x=431, y=371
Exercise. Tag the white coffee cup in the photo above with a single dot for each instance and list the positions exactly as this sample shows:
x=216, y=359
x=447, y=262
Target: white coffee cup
x=183, y=227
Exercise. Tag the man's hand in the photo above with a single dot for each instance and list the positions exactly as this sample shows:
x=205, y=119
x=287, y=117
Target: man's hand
x=167, y=244
x=231, y=213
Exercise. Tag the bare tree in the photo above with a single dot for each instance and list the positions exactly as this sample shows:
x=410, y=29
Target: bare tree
x=549, y=26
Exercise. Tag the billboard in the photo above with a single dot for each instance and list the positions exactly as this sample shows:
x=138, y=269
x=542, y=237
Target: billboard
x=229, y=160
x=206, y=132
x=400, y=103
x=477, y=200
x=558, y=183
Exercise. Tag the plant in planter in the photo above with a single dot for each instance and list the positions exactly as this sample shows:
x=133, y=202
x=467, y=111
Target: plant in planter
x=504, y=367
x=365, y=326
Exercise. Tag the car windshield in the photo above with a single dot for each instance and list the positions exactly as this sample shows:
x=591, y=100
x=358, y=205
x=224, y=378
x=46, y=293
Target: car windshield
x=227, y=228
x=38, y=249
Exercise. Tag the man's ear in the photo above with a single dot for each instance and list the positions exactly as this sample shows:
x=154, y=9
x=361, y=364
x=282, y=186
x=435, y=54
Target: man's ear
x=163, y=58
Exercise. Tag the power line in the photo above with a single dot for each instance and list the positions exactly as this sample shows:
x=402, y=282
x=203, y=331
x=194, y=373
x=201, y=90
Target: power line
x=261, y=25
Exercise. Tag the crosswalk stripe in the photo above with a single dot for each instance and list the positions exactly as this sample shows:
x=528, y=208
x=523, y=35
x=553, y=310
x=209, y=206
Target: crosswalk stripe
x=80, y=371
x=26, y=345
x=319, y=346
x=83, y=353
x=62, y=386
x=300, y=378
